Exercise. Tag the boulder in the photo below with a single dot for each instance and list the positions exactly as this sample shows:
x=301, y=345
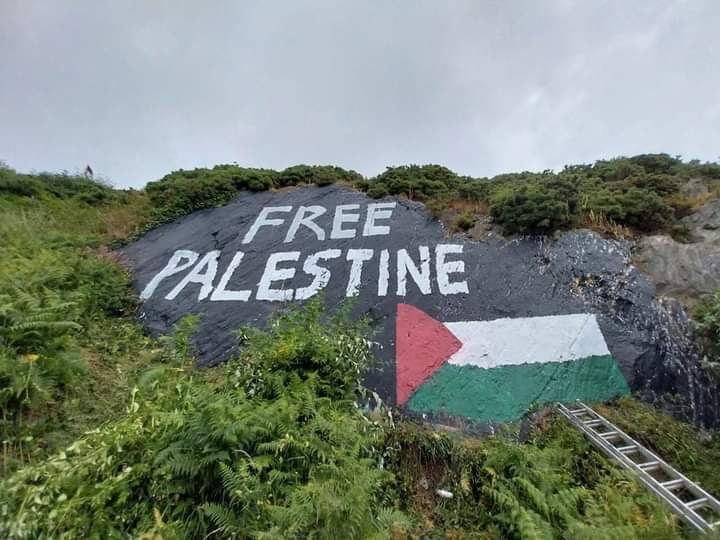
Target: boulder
x=704, y=223
x=240, y=263
x=685, y=271
x=681, y=270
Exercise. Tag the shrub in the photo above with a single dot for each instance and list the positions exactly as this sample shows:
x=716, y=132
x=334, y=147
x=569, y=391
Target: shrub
x=530, y=208
x=564, y=189
x=474, y=190
x=377, y=190
x=12, y=183
x=416, y=181
x=657, y=163
x=602, y=201
x=182, y=192
x=62, y=186
x=321, y=175
x=662, y=184
x=614, y=170
x=707, y=326
x=464, y=221
x=641, y=192
x=644, y=210
x=639, y=208
x=681, y=206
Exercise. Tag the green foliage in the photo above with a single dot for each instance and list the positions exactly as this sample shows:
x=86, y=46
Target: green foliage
x=63, y=186
x=464, y=221
x=274, y=444
x=302, y=345
x=38, y=353
x=182, y=192
x=618, y=190
x=707, y=326
x=474, y=190
x=644, y=210
x=321, y=175
x=416, y=182
x=657, y=163
x=557, y=486
x=530, y=208
x=58, y=291
x=377, y=190
x=274, y=447
x=640, y=192
x=683, y=445
x=46, y=297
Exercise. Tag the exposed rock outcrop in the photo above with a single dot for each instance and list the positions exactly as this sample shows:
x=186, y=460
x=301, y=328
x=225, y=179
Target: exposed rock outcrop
x=704, y=224
x=685, y=270
x=576, y=272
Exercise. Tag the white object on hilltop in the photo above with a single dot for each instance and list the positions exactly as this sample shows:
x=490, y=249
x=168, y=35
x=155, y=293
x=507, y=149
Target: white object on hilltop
x=444, y=494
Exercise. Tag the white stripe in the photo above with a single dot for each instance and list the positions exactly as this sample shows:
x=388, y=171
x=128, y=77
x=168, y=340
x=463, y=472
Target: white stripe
x=527, y=340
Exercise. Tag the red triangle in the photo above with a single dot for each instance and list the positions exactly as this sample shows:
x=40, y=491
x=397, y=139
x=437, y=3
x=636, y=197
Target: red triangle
x=422, y=345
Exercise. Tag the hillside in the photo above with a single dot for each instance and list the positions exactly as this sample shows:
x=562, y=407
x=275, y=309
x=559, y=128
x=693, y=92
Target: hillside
x=110, y=433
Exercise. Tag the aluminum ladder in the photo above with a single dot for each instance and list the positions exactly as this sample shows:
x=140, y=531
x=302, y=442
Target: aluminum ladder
x=684, y=497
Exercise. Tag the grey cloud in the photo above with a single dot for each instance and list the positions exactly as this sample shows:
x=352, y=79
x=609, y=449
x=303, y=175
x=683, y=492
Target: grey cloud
x=138, y=89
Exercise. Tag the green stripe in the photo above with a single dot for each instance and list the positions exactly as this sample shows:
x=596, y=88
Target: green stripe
x=507, y=392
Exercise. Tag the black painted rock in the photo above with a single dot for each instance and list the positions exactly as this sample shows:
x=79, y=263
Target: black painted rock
x=402, y=256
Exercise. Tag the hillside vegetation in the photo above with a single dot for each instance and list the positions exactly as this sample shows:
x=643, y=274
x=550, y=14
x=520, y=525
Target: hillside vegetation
x=109, y=434
x=642, y=193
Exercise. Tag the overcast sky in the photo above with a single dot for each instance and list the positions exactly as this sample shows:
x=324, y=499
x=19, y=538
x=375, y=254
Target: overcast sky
x=137, y=89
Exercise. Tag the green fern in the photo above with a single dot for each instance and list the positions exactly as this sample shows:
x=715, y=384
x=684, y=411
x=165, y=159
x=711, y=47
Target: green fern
x=224, y=519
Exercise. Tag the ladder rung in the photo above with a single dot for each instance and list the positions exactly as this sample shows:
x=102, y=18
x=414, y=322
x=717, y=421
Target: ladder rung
x=672, y=484
x=610, y=443
x=697, y=503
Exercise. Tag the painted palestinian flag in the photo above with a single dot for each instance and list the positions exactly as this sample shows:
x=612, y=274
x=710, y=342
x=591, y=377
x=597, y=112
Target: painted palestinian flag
x=496, y=370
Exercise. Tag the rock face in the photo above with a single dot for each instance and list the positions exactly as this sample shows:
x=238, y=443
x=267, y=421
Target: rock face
x=704, y=224
x=393, y=253
x=685, y=270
